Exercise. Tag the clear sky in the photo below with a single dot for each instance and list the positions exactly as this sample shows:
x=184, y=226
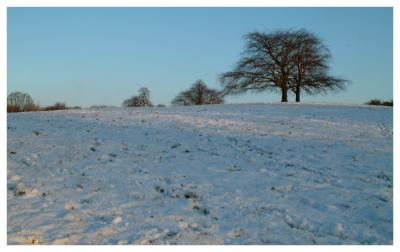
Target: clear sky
x=101, y=56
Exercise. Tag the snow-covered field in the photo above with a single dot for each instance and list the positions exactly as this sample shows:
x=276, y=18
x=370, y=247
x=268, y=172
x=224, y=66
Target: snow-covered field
x=223, y=174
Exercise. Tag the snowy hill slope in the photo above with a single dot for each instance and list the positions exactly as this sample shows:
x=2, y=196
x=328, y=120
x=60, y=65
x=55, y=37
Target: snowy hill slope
x=224, y=174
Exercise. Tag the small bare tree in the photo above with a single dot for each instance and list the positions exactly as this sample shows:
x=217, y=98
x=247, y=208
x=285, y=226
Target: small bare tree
x=198, y=94
x=141, y=100
x=20, y=101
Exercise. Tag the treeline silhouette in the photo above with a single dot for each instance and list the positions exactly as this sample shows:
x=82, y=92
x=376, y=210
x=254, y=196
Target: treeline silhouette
x=378, y=102
x=283, y=61
x=197, y=94
x=23, y=102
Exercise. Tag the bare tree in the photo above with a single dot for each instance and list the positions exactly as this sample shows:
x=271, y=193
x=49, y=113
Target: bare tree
x=282, y=61
x=265, y=65
x=198, y=94
x=141, y=100
x=20, y=101
x=310, y=66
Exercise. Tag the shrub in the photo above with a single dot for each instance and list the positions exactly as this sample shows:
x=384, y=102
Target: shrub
x=374, y=102
x=56, y=106
x=388, y=103
x=378, y=102
x=33, y=107
x=12, y=109
x=19, y=102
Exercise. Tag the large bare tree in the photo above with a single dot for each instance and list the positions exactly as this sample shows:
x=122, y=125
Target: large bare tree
x=310, y=60
x=198, y=94
x=282, y=61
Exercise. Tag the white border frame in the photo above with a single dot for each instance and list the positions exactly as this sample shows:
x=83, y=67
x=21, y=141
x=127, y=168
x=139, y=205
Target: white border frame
x=196, y=3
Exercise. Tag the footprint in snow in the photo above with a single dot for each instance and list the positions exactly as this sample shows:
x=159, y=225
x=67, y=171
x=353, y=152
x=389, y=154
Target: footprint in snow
x=37, y=132
x=27, y=161
x=71, y=206
x=124, y=147
x=235, y=233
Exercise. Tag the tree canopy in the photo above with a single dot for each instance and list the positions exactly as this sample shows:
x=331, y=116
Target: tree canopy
x=20, y=101
x=141, y=100
x=282, y=61
x=198, y=94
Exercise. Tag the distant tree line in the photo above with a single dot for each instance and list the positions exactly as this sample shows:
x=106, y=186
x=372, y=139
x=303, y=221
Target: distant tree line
x=23, y=102
x=378, y=102
x=283, y=61
x=197, y=94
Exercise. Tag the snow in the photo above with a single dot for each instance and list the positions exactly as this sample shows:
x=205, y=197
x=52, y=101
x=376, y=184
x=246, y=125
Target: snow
x=221, y=174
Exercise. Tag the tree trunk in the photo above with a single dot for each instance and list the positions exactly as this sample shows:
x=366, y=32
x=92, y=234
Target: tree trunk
x=284, y=94
x=298, y=93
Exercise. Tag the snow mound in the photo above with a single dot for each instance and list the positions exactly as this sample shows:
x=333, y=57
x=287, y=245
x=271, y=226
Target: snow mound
x=222, y=174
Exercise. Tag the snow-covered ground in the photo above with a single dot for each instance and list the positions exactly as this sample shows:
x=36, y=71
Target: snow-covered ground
x=223, y=174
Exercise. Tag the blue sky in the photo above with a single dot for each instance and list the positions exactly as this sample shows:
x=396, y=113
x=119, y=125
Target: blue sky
x=88, y=56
